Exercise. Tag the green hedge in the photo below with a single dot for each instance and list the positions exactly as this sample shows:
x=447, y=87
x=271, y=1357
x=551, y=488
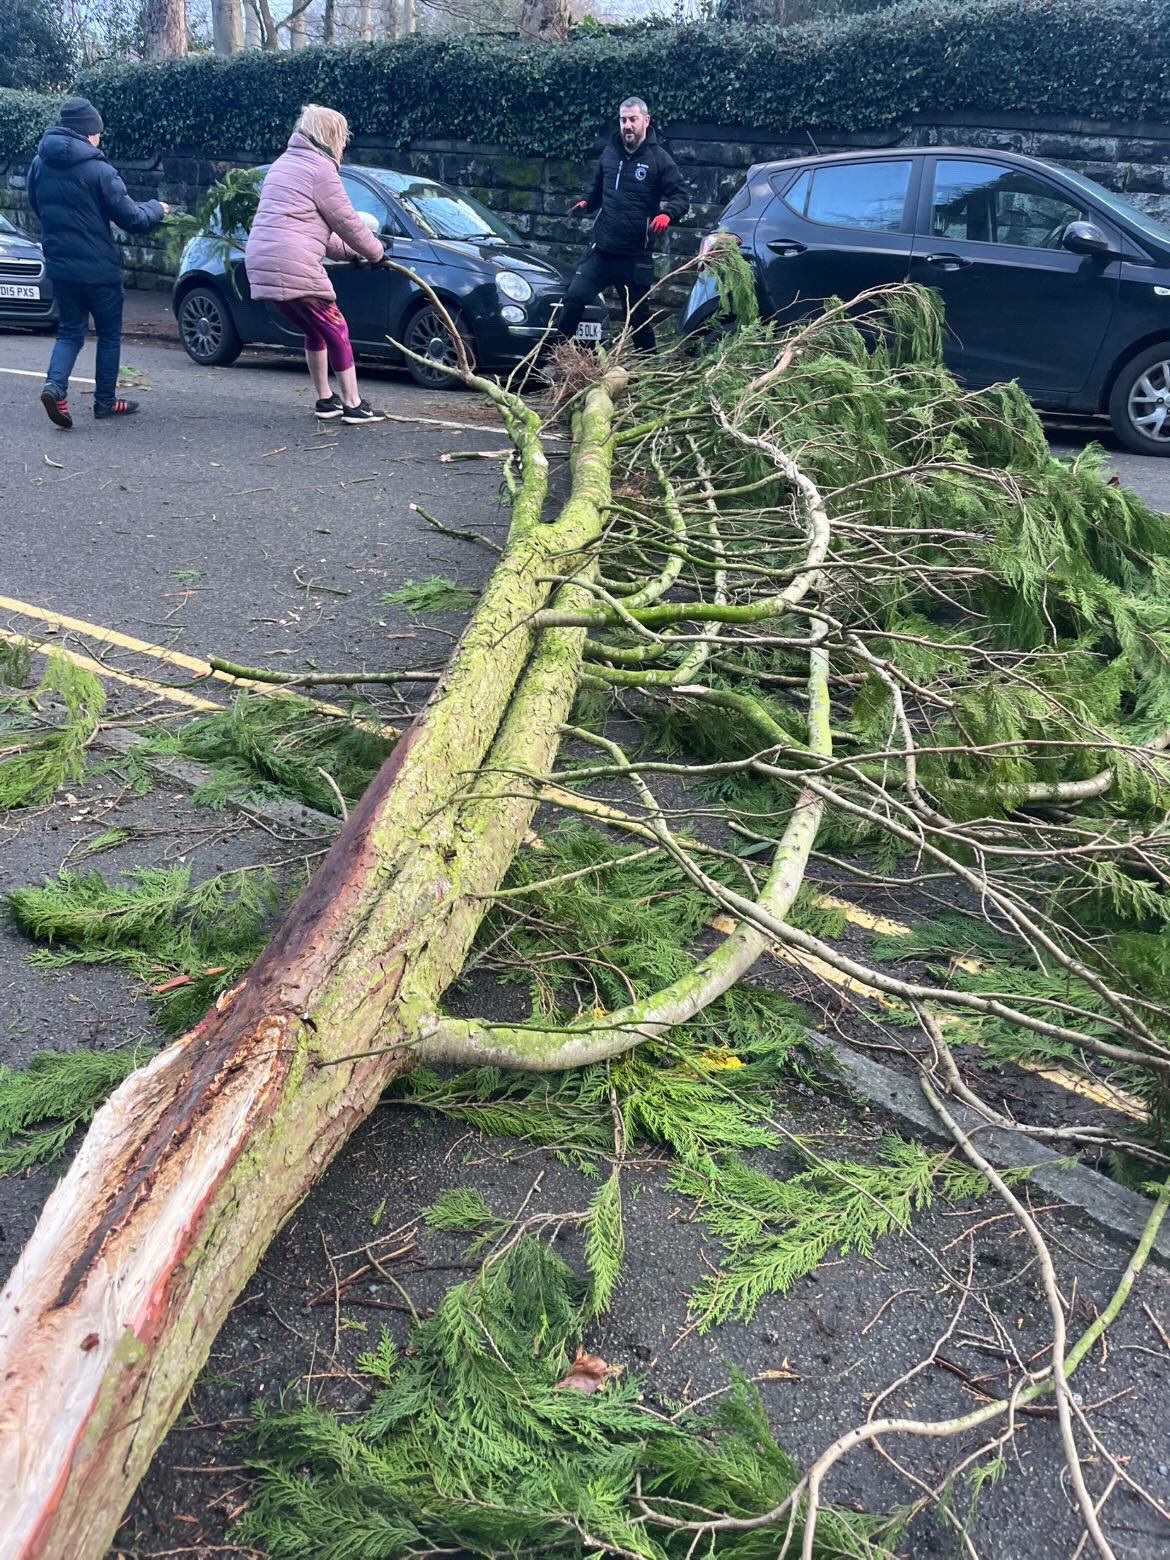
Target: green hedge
x=1102, y=59
x=23, y=118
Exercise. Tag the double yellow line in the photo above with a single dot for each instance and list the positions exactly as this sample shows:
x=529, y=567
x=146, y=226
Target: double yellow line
x=117, y=640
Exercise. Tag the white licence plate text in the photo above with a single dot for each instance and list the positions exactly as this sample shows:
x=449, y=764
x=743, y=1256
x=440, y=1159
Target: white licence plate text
x=11, y=290
x=589, y=330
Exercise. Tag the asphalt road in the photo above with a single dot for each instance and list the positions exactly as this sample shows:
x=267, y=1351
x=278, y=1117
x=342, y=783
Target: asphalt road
x=224, y=519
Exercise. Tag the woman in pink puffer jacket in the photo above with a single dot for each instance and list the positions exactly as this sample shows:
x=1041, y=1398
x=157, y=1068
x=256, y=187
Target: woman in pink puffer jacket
x=305, y=217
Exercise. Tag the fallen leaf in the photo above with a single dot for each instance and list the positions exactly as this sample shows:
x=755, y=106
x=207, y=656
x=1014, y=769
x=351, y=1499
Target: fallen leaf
x=586, y=1374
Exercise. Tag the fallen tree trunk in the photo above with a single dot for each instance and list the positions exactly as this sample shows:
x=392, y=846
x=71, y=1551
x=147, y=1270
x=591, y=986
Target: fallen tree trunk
x=193, y=1164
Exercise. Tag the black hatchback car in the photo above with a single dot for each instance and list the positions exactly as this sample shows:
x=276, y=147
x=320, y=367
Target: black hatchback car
x=499, y=294
x=1046, y=277
x=26, y=293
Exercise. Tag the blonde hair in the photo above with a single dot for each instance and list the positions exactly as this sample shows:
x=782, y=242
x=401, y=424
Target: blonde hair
x=325, y=125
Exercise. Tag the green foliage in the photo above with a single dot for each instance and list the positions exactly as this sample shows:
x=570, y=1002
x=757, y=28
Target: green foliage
x=158, y=925
x=44, y=731
x=736, y=283
x=605, y=1244
x=1100, y=59
x=775, y=1232
x=469, y=1447
x=273, y=747
x=432, y=595
x=36, y=52
x=43, y=1105
x=221, y=219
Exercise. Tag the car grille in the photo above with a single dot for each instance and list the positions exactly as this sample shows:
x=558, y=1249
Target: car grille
x=25, y=269
x=25, y=305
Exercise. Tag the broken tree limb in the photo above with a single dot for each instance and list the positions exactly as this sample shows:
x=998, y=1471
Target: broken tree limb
x=196, y=1160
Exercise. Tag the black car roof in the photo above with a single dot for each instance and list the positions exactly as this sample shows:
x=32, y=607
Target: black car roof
x=900, y=153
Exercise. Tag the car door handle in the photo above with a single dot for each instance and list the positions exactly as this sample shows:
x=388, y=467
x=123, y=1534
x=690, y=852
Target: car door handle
x=947, y=262
x=787, y=247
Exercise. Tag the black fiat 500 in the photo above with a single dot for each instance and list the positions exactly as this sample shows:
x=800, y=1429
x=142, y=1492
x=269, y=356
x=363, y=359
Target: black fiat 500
x=499, y=294
x=1046, y=277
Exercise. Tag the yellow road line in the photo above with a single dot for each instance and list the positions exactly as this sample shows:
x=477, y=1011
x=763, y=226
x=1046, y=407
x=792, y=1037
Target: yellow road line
x=188, y=663
x=175, y=695
x=1099, y=1091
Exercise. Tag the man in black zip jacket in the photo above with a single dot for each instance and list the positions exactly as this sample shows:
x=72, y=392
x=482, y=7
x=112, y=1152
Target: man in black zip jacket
x=637, y=192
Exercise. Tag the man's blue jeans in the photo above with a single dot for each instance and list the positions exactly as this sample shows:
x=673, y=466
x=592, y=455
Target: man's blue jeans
x=76, y=302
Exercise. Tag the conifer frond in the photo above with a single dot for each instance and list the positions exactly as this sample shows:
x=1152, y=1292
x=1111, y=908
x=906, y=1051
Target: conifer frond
x=45, y=730
x=775, y=1232
x=435, y=594
x=271, y=747
x=43, y=1104
x=157, y=924
x=468, y=1445
x=605, y=1244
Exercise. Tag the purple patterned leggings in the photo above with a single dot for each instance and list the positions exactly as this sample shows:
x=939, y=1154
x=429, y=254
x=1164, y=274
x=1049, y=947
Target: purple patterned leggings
x=324, y=328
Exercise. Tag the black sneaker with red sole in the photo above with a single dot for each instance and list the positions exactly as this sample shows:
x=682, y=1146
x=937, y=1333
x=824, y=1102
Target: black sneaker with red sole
x=54, y=402
x=115, y=409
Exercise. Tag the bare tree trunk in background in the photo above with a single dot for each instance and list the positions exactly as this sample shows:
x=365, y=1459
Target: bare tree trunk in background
x=389, y=28
x=251, y=25
x=296, y=29
x=227, y=26
x=166, y=29
x=409, y=17
x=329, y=22
x=367, y=22
x=544, y=21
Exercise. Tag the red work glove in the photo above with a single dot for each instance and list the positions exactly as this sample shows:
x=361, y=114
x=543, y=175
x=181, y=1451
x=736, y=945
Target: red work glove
x=578, y=206
x=660, y=223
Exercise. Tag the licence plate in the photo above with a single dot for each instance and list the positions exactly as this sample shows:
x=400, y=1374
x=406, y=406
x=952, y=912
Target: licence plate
x=589, y=330
x=11, y=290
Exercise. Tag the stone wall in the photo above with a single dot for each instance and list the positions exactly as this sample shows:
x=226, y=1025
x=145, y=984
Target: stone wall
x=535, y=193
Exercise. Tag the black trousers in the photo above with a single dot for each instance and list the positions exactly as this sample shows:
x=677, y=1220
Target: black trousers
x=632, y=275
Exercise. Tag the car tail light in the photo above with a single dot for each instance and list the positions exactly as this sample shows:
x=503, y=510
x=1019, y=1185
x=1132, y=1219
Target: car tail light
x=714, y=241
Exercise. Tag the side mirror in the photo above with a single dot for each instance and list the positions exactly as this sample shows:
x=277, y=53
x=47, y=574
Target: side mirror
x=1086, y=238
x=368, y=219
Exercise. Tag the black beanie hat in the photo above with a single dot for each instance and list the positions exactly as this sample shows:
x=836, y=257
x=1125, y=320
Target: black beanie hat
x=79, y=114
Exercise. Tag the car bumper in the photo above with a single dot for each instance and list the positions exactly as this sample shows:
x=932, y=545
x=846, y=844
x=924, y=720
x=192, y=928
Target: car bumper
x=503, y=345
x=38, y=310
x=700, y=307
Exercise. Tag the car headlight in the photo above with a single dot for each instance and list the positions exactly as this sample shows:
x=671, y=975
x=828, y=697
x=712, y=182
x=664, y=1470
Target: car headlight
x=514, y=286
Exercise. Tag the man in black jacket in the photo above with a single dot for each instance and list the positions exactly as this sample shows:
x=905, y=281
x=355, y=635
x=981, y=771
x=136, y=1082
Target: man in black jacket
x=77, y=194
x=637, y=192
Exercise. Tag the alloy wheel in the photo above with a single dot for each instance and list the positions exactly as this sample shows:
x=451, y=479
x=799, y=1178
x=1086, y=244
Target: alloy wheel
x=201, y=323
x=1149, y=402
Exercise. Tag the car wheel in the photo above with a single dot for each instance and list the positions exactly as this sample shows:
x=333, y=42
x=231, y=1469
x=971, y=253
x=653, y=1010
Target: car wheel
x=1139, y=405
x=207, y=329
x=427, y=334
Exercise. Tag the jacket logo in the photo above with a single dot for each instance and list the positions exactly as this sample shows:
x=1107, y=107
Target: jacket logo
x=641, y=170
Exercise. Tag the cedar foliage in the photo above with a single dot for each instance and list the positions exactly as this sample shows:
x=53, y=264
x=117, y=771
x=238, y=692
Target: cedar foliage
x=468, y=1445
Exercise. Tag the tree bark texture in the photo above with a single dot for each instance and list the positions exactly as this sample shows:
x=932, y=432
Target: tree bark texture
x=166, y=29
x=196, y=1161
x=227, y=26
x=545, y=21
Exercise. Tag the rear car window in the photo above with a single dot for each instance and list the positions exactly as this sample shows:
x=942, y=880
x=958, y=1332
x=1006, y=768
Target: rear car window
x=857, y=195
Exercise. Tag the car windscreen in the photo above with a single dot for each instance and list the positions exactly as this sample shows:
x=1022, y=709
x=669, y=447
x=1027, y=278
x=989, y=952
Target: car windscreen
x=1119, y=206
x=6, y=226
x=441, y=212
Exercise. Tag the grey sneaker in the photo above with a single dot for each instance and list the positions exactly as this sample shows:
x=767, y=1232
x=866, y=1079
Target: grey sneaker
x=362, y=413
